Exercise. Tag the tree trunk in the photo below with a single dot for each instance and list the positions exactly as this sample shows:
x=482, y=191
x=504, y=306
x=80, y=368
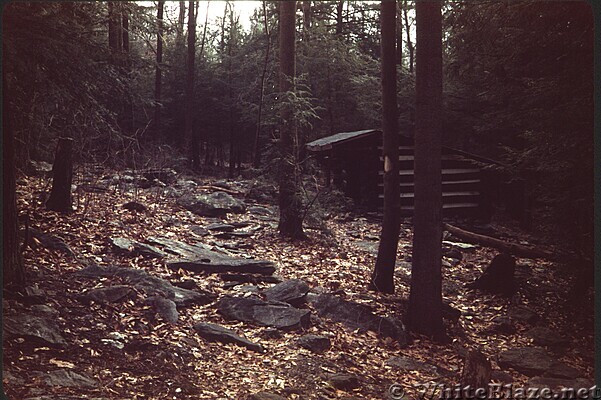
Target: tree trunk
x=424, y=314
x=232, y=154
x=339, y=17
x=12, y=268
x=62, y=177
x=256, y=147
x=306, y=18
x=476, y=372
x=191, y=137
x=115, y=40
x=408, y=35
x=125, y=31
x=157, y=72
x=180, y=21
x=382, y=277
x=291, y=223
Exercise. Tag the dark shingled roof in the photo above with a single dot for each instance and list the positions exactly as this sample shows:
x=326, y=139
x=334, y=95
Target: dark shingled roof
x=328, y=142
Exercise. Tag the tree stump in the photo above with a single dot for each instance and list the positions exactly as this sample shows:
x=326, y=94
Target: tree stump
x=62, y=176
x=498, y=276
x=476, y=371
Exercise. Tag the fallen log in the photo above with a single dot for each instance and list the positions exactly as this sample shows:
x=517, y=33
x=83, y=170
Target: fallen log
x=511, y=248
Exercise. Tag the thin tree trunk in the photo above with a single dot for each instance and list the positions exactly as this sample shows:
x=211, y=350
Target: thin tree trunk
x=62, y=177
x=306, y=18
x=12, y=267
x=256, y=150
x=408, y=35
x=157, y=75
x=125, y=31
x=189, y=129
x=339, y=17
x=424, y=314
x=180, y=22
x=382, y=277
x=291, y=223
x=232, y=154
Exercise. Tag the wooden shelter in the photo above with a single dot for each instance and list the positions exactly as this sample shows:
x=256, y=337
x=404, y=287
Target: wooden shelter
x=353, y=160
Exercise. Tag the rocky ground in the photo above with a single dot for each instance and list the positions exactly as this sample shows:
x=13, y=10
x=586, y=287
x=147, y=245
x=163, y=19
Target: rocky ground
x=166, y=286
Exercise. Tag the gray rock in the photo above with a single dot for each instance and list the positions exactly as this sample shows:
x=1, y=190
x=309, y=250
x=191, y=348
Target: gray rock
x=459, y=245
x=151, y=285
x=408, y=364
x=292, y=291
x=221, y=227
x=217, y=333
x=109, y=294
x=265, y=396
x=25, y=325
x=358, y=316
x=200, y=258
x=527, y=360
x=523, y=314
x=262, y=313
x=501, y=376
x=67, y=378
x=501, y=324
x=344, y=382
x=314, y=343
x=51, y=242
x=165, y=308
x=134, y=206
x=261, y=211
x=561, y=370
x=166, y=175
x=452, y=252
x=216, y=204
x=134, y=249
x=199, y=230
x=44, y=309
x=546, y=337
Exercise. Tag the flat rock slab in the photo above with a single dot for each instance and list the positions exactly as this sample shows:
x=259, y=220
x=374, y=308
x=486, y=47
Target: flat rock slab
x=314, y=343
x=134, y=249
x=201, y=258
x=527, y=360
x=561, y=370
x=556, y=383
x=292, y=291
x=51, y=242
x=358, y=316
x=150, y=285
x=217, y=204
x=523, y=314
x=546, y=337
x=409, y=364
x=25, y=325
x=67, y=378
x=109, y=294
x=263, y=313
x=265, y=396
x=344, y=382
x=217, y=333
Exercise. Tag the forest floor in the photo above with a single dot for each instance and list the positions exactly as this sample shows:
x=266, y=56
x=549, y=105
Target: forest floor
x=124, y=350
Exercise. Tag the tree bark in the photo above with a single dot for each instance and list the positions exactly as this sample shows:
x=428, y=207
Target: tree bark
x=125, y=31
x=424, y=314
x=12, y=267
x=291, y=223
x=339, y=17
x=399, y=33
x=158, y=72
x=256, y=147
x=191, y=137
x=382, y=277
x=62, y=177
x=232, y=153
x=115, y=40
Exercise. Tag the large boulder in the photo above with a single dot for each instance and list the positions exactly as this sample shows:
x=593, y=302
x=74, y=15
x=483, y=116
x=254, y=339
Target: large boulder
x=314, y=343
x=527, y=360
x=292, y=291
x=258, y=312
x=216, y=204
x=358, y=316
x=30, y=326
